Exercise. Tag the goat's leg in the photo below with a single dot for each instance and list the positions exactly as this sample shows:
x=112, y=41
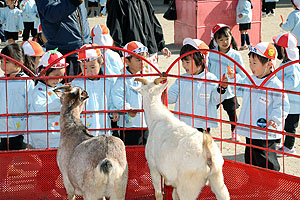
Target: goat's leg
x=217, y=185
x=174, y=194
x=189, y=187
x=156, y=181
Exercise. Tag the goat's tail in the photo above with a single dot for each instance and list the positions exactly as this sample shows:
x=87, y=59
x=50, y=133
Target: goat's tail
x=207, y=146
x=106, y=166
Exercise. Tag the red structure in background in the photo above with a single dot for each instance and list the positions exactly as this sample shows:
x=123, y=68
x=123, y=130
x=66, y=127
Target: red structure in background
x=21, y=172
x=196, y=18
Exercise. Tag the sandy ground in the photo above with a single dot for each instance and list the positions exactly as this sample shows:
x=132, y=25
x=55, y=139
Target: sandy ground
x=270, y=28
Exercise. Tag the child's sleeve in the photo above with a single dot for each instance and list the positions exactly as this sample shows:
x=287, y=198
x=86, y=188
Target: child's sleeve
x=291, y=78
x=216, y=97
x=173, y=93
x=290, y=23
x=20, y=22
x=117, y=94
x=239, y=89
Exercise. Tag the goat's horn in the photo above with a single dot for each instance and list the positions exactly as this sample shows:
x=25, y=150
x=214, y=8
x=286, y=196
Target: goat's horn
x=65, y=87
x=159, y=79
x=142, y=80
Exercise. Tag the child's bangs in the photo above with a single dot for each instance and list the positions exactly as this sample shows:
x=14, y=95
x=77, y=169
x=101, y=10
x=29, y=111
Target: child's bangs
x=223, y=32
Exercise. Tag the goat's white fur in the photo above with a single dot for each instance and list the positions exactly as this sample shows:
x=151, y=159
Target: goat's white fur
x=185, y=157
x=93, y=167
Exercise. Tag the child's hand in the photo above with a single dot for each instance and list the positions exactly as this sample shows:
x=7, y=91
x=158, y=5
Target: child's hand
x=272, y=123
x=280, y=24
x=240, y=15
x=132, y=113
x=224, y=79
x=166, y=52
x=230, y=72
x=115, y=117
x=20, y=32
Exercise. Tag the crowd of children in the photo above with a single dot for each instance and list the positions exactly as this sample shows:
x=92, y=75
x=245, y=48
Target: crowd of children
x=112, y=100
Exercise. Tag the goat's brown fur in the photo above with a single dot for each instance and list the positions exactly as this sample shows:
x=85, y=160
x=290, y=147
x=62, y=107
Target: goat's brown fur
x=94, y=167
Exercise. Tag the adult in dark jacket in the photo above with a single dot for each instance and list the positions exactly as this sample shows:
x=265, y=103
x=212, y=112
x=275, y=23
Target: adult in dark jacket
x=134, y=20
x=65, y=25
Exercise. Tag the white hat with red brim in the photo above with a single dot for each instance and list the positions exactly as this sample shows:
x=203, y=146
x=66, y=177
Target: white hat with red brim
x=216, y=28
x=198, y=44
x=265, y=49
x=290, y=43
x=89, y=54
x=135, y=47
x=100, y=36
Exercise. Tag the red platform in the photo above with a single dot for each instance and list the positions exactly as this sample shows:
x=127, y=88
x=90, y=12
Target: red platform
x=195, y=19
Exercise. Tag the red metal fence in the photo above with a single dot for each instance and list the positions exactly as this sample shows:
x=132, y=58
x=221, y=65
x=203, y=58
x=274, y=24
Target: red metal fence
x=33, y=173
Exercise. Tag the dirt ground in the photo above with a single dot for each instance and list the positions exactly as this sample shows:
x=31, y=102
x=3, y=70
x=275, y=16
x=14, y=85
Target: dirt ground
x=270, y=28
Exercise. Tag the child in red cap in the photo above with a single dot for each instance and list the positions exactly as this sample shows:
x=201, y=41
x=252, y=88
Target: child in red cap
x=261, y=108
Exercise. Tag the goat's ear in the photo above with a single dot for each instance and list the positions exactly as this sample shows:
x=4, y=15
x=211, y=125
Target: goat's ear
x=138, y=89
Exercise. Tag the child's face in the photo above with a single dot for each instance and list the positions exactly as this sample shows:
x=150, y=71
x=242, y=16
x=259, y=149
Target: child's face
x=9, y=2
x=90, y=68
x=259, y=69
x=11, y=68
x=56, y=72
x=224, y=43
x=190, y=66
x=135, y=64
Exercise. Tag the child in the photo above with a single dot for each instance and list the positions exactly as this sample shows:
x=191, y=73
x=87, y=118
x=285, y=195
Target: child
x=12, y=21
x=262, y=58
x=30, y=14
x=292, y=23
x=222, y=40
x=33, y=52
x=2, y=33
x=244, y=18
x=205, y=97
x=98, y=90
x=13, y=98
x=286, y=45
x=44, y=99
x=132, y=100
x=268, y=7
x=93, y=4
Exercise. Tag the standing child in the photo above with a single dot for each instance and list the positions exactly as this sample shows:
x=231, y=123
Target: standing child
x=244, y=18
x=224, y=42
x=205, y=97
x=30, y=15
x=2, y=33
x=286, y=45
x=292, y=23
x=12, y=21
x=97, y=88
x=92, y=4
x=261, y=108
x=44, y=99
x=268, y=7
x=132, y=100
x=13, y=98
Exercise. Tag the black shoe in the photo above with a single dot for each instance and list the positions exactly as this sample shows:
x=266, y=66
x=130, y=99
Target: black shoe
x=95, y=13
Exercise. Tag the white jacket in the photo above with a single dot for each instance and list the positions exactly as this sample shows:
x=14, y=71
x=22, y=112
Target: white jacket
x=260, y=103
x=97, y=101
x=43, y=99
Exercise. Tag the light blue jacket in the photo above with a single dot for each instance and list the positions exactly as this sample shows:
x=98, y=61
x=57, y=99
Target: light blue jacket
x=113, y=63
x=260, y=103
x=203, y=97
x=291, y=82
x=97, y=101
x=292, y=24
x=244, y=8
x=29, y=10
x=131, y=100
x=43, y=99
x=214, y=66
x=12, y=20
x=16, y=101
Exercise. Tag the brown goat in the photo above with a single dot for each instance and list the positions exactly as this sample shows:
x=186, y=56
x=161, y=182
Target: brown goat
x=92, y=166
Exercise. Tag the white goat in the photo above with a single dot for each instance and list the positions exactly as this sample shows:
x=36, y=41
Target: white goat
x=185, y=157
x=93, y=167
